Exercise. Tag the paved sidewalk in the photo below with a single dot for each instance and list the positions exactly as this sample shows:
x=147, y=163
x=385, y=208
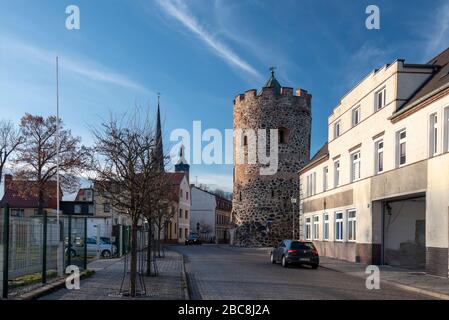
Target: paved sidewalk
x=419, y=282
x=105, y=283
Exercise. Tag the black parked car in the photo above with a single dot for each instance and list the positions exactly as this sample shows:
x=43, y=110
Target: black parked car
x=193, y=239
x=295, y=252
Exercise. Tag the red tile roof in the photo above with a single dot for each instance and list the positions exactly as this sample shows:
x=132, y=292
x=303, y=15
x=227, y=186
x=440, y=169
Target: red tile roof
x=24, y=194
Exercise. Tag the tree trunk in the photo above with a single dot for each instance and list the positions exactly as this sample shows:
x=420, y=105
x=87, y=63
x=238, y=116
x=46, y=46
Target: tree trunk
x=133, y=271
x=159, y=240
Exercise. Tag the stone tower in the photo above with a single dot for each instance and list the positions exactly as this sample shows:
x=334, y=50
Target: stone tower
x=262, y=208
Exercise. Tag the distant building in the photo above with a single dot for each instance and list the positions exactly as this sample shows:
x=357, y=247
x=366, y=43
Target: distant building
x=210, y=216
x=22, y=197
x=378, y=191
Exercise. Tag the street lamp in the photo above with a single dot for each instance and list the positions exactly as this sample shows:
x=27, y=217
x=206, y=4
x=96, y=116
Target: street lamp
x=293, y=200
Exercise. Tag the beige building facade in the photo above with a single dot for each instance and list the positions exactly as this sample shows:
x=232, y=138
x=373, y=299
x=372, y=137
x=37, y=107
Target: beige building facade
x=378, y=191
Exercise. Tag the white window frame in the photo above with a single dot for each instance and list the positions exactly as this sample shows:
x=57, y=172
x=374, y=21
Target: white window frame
x=316, y=227
x=352, y=225
x=337, y=129
x=383, y=100
x=311, y=184
x=399, y=142
x=339, y=222
x=325, y=178
x=308, y=229
x=356, y=163
x=326, y=226
x=379, y=150
x=356, y=115
x=337, y=177
x=446, y=129
x=433, y=134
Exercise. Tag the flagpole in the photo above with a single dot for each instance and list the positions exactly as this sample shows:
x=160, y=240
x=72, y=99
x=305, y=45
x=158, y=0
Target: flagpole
x=57, y=140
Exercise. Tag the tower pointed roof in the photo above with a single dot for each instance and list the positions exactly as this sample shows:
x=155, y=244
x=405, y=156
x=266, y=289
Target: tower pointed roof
x=273, y=82
x=159, y=152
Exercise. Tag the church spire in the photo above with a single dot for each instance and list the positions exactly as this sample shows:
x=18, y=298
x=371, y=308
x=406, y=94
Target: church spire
x=159, y=146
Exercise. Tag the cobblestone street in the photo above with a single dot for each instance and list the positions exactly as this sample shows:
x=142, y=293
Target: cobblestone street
x=105, y=283
x=223, y=272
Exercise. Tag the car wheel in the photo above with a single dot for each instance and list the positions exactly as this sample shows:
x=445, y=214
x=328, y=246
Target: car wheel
x=106, y=254
x=314, y=266
x=272, y=258
x=284, y=262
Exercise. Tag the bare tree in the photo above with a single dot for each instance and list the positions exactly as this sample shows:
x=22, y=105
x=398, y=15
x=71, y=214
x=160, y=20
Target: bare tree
x=123, y=171
x=10, y=139
x=37, y=157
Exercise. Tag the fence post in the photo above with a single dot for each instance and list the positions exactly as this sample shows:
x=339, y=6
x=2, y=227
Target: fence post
x=60, y=253
x=85, y=244
x=69, y=241
x=5, y=252
x=44, y=248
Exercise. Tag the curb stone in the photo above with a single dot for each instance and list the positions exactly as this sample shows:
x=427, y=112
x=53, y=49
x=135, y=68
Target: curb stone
x=50, y=288
x=429, y=293
x=185, y=284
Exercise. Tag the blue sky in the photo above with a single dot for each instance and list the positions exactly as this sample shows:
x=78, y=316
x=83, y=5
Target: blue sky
x=199, y=54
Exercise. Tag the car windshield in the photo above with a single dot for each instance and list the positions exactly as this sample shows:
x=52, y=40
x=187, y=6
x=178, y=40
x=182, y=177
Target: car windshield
x=193, y=237
x=302, y=245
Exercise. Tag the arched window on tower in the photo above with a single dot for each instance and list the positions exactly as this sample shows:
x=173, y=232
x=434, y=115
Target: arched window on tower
x=283, y=135
x=245, y=141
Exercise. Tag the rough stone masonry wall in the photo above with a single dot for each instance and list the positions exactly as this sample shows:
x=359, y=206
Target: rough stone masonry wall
x=258, y=198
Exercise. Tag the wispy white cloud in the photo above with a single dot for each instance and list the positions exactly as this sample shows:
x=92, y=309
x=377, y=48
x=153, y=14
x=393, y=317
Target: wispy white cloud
x=438, y=36
x=180, y=12
x=82, y=67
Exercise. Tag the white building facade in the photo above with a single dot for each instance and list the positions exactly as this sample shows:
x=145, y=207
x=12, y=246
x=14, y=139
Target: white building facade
x=378, y=191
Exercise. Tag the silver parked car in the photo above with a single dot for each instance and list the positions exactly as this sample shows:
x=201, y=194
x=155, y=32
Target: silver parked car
x=105, y=248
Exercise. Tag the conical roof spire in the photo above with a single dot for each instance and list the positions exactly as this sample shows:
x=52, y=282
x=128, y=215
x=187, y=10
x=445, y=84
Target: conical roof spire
x=272, y=82
x=159, y=152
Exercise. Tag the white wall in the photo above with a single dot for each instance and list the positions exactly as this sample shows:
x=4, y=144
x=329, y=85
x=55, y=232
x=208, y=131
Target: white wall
x=202, y=210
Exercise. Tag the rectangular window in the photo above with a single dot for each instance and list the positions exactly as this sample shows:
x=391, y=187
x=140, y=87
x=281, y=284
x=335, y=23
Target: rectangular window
x=316, y=227
x=91, y=208
x=311, y=184
x=187, y=196
x=325, y=178
x=186, y=233
x=336, y=173
x=18, y=213
x=308, y=229
x=433, y=135
x=355, y=166
x=380, y=99
x=337, y=129
x=446, y=129
x=326, y=226
x=77, y=208
x=339, y=226
x=180, y=213
x=106, y=207
x=355, y=116
x=401, y=147
x=379, y=154
x=187, y=214
x=180, y=233
x=352, y=225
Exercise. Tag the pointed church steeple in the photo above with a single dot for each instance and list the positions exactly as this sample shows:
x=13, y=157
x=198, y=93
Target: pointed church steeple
x=159, y=152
